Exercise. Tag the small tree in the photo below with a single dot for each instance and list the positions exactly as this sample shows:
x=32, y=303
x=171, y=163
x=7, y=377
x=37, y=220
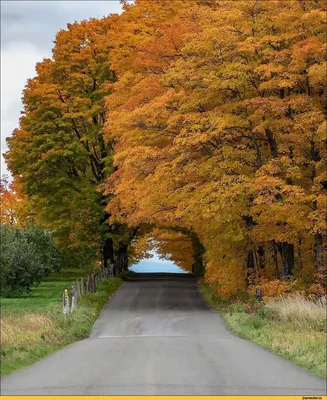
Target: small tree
x=26, y=256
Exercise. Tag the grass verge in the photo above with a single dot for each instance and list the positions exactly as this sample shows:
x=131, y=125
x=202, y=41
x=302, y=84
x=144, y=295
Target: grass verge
x=34, y=327
x=293, y=328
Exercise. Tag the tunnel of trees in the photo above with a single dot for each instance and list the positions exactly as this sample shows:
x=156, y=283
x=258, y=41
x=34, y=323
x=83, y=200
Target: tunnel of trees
x=178, y=246
x=203, y=120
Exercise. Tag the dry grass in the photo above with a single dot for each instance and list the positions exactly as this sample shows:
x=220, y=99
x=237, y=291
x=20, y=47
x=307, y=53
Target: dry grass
x=299, y=311
x=293, y=327
x=34, y=327
x=24, y=329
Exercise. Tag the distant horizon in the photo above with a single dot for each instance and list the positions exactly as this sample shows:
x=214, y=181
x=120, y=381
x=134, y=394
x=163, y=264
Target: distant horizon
x=155, y=264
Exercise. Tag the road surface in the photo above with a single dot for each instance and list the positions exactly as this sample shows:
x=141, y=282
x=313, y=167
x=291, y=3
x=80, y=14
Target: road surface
x=157, y=335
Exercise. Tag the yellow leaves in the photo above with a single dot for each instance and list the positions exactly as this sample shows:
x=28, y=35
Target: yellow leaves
x=273, y=288
x=15, y=209
x=321, y=131
x=250, y=46
x=307, y=53
x=309, y=123
x=271, y=189
x=216, y=114
x=317, y=74
x=224, y=272
x=283, y=209
x=277, y=83
x=268, y=71
x=9, y=200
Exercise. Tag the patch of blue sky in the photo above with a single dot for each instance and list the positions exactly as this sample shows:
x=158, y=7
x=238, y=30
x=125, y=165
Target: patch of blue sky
x=155, y=264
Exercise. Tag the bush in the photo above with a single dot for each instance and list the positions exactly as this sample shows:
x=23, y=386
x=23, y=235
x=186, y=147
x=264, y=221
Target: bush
x=125, y=275
x=273, y=288
x=26, y=256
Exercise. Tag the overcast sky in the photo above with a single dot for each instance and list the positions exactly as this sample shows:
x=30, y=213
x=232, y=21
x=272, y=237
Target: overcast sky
x=28, y=29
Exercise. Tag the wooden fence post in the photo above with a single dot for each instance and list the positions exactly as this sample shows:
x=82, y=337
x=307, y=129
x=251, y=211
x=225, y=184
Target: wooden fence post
x=82, y=287
x=87, y=287
x=90, y=284
x=65, y=302
x=93, y=282
x=258, y=294
x=73, y=299
x=78, y=289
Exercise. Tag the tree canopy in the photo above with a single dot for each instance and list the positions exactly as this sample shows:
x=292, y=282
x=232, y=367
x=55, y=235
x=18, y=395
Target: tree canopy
x=207, y=117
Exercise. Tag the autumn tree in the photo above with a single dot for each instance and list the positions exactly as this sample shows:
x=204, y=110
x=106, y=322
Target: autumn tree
x=173, y=244
x=218, y=115
x=9, y=202
x=59, y=153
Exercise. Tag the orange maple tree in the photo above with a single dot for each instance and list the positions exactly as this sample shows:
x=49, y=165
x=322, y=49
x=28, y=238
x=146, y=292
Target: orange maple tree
x=219, y=119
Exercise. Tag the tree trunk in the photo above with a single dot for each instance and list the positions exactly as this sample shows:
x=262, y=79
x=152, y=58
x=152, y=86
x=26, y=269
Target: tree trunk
x=122, y=254
x=198, y=251
x=262, y=261
x=107, y=252
x=286, y=251
x=257, y=151
x=250, y=269
x=275, y=257
x=319, y=253
x=272, y=143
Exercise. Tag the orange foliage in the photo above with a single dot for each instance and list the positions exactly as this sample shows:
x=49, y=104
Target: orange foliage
x=273, y=288
x=215, y=126
x=15, y=209
x=218, y=117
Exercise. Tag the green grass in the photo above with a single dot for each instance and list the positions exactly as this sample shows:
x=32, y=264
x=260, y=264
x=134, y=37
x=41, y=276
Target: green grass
x=33, y=327
x=279, y=326
x=46, y=296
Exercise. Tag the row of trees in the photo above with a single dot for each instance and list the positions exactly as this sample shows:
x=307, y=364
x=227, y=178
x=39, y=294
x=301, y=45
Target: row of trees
x=219, y=114
x=202, y=117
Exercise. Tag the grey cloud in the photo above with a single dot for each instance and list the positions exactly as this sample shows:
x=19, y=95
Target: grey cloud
x=39, y=21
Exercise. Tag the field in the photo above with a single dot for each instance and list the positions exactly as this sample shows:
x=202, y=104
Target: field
x=34, y=326
x=294, y=328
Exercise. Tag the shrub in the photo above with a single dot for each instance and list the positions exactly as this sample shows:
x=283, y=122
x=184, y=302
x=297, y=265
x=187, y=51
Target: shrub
x=26, y=256
x=317, y=290
x=273, y=288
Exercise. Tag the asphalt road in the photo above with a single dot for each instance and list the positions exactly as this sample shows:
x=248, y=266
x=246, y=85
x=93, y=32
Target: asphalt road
x=157, y=335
